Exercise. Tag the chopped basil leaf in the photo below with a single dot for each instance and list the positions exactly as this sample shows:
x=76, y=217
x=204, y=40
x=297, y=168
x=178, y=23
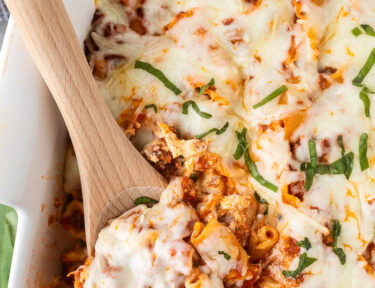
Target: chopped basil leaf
x=368, y=90
x=194, y=176
x=366, y=102
x=341, y=144
x=145, y=200
x=255, y=173
x=185, y=109
x=209, y=84
x=356, y=31
x=321, y=169
x=363, y=161
x=200, y=136
x=158, y=74
x=153, y=106
x=357, y=81
x=242, y=149
x=368, y=29
x=242, y=144
x=311, y=169
x=222, y=129
x=259, y=199
x=304, y=262
x=341, y=254
x=364, y=28
x=218, y=131
x=271, y=96
x=305, y=243
x=335, y=233
x=344, y=165
x=313, y=156
x=226, y=256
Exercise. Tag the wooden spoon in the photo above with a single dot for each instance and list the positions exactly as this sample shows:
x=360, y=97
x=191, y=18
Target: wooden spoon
x=113, y=173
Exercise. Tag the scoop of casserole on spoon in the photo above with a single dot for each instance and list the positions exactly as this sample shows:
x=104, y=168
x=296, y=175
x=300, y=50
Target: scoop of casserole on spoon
x=113, y=173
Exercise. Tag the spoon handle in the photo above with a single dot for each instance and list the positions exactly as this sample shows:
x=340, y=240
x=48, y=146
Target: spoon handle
x=108, y=162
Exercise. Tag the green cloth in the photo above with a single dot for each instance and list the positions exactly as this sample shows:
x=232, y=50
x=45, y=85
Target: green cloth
x=8, y=227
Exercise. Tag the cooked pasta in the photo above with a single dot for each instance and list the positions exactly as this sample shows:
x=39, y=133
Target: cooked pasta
x=259, y=114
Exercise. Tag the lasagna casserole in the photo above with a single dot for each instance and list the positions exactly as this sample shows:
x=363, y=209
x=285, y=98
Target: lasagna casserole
x=259, y=114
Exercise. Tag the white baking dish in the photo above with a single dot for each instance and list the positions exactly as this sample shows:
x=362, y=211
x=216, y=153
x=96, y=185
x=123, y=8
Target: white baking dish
x=32, y=144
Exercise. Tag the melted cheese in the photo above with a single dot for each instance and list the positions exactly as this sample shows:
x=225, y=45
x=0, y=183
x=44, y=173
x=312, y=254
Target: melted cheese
x=144, y=247
x=250, y=49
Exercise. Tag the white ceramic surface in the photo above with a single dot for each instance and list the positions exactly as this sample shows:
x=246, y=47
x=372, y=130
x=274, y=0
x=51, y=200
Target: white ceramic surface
x=32, y=145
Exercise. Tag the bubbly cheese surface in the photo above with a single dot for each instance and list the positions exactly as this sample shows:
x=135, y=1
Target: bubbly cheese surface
x=250, y=49
x=144, y=247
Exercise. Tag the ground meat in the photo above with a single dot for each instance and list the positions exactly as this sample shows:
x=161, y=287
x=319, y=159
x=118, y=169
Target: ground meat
x=327, y=239
x=190, y=193
x=100, y=69
x=90, y=46
x=326, y=149
x=137, y=26
x=328, y=70
x=112, y=29
x=97, y=18
x=238, y=213
x=158, y=153
x=213, y=182
x=72, y=219
x=291, y=248
x=297, y=189
x=324, y=83
x=228, y=21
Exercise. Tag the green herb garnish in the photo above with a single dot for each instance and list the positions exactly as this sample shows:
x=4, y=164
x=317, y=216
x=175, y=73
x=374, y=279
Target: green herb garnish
x=152, y=106
x=304, y=262
x=335, y=233
x=305, y=243
x=366, y=101
x=310, y=172
x=271, y=96
x=218, y=131
x=357, y=81
x=242, y=149
x=341, y=254
x=259, y=199
x=368, y=90
x=158, y=74
x=145, y=200
x=368, y=29
x=185, y=109
x=341, y=144
x=356, y=31
x=363, y=161
x=255, y=173
x=364, y=28
x=209, y=84
x=226, y=256
x=344, y=165
x=242, y=144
